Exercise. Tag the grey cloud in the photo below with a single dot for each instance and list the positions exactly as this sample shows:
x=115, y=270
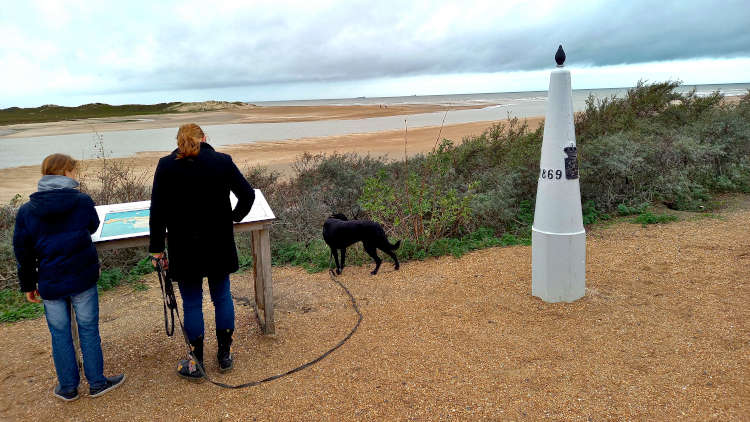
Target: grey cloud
x=362, y=41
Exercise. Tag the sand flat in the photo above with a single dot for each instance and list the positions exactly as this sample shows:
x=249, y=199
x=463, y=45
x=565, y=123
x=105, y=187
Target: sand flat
x=277, y=155
x=245, y=114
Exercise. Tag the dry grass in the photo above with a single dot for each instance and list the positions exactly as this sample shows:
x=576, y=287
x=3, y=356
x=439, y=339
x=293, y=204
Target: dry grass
x=662, y=334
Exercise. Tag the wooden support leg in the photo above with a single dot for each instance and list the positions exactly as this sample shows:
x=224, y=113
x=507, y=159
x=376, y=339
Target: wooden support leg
x=257, y=277
x=263, y=283
x=76, y=340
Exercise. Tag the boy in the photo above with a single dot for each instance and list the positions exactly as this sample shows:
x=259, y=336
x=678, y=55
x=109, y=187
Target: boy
x=58, y=262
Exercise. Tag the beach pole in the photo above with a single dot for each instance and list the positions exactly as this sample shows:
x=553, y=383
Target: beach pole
x=558, y=239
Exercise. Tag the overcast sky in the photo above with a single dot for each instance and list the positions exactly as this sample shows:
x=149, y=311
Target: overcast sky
x=77, y=51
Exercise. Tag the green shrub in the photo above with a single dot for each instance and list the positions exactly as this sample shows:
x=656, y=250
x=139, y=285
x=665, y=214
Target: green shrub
x=321, y=185
x=114, y=277
x=110, y=279
x=591, y=214
x=140, y=286
x=649, y=218
x=313, y=256
x=421, y=211
x=262, y=178
x=658, y=145
x=15, y=307
x=624, y=209
x=142, y=268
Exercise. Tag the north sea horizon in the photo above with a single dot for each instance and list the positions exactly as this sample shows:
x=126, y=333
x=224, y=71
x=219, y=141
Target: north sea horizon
x=701, y=89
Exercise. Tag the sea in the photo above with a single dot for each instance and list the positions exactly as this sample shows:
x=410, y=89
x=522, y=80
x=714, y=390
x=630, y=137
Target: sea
x=16, y=152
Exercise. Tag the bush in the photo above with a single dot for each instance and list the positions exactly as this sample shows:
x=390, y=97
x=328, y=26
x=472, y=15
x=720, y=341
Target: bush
x=648, y=218
x=262, y=178
x=14, y=307
x=658, y=145
x=7, y=257
x=415, y=209
x=116, y=276
x=591, y=214
x=624, y=209
x=321, y=185
x=114, y=181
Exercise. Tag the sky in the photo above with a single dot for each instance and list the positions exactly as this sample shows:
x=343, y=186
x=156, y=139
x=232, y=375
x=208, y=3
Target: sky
x=79, y=51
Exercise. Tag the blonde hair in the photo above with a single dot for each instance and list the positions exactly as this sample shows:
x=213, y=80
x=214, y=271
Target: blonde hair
x=189, y=140
x=58, y=164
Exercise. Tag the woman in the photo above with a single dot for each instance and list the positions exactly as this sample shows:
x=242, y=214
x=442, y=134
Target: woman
x=190, y=200
x=58, y=261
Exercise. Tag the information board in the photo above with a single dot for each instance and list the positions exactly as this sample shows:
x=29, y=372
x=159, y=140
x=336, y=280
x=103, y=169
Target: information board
x=130, y=220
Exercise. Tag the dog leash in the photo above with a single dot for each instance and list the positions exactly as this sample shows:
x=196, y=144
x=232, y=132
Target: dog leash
x=170, y=301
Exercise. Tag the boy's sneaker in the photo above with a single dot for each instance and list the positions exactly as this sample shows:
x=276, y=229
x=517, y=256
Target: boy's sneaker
x=111, y=384
x=65, y=396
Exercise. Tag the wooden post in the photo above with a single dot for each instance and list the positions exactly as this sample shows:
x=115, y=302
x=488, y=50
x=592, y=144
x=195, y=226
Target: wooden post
x=76, y=341
x=255, y=246
x=261, y=242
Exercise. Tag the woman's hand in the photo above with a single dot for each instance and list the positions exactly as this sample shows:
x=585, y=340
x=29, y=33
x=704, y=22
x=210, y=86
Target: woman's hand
x=33, y=297
x=159, y=257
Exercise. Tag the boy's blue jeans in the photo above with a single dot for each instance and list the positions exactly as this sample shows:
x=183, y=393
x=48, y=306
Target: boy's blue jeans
x=192, y=304
x=86, y=305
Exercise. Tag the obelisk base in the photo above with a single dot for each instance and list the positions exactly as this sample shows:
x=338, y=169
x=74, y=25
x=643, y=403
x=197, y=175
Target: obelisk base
x=558, y=266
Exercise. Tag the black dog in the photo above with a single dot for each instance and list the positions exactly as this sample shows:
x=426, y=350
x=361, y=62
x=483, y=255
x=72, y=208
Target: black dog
x=339, y=233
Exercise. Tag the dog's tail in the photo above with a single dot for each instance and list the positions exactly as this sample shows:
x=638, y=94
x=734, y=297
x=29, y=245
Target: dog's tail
x=395, y=245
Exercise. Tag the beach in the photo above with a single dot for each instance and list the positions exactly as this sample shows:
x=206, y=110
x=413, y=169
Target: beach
x=276, y=155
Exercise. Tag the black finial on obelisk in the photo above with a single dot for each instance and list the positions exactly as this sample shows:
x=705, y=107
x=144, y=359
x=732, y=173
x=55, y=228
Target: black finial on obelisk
x=560, y=56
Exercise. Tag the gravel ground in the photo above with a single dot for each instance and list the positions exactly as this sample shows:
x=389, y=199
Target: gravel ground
x=662, y=334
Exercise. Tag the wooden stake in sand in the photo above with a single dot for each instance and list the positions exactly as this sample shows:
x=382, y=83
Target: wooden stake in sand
x=558, y=239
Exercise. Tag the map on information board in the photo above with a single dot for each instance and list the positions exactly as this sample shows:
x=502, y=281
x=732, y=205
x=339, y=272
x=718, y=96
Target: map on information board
x=125, y=223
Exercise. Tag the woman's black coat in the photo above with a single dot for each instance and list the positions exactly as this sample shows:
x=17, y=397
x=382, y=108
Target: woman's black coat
x=190, y=201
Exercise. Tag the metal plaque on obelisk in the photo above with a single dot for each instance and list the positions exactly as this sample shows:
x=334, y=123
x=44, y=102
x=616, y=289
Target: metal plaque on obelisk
x=558, y=239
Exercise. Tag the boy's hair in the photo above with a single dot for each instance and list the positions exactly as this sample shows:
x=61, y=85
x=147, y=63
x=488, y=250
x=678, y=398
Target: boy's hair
x=58, y=164
x=189, y=138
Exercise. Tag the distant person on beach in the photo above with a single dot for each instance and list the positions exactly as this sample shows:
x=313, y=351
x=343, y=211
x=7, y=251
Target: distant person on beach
x=58, y=262
x=190, y=200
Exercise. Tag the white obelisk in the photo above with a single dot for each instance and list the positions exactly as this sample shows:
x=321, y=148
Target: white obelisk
x=558, y=239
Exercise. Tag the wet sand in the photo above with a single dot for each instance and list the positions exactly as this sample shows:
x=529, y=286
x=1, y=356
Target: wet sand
x=277, y=155
x=239, y=114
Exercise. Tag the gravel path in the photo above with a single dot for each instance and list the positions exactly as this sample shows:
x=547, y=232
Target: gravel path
x=662, y=334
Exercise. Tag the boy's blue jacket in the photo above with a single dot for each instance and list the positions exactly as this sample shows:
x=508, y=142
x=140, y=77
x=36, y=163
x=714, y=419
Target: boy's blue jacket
x=52, y=243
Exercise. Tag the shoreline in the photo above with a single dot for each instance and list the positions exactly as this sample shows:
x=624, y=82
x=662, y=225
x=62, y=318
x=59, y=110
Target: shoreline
x=276, y=155
x=237, y=115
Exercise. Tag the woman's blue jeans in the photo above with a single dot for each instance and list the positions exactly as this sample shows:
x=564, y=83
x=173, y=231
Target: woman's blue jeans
x=192, y=304
x=86, y=305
